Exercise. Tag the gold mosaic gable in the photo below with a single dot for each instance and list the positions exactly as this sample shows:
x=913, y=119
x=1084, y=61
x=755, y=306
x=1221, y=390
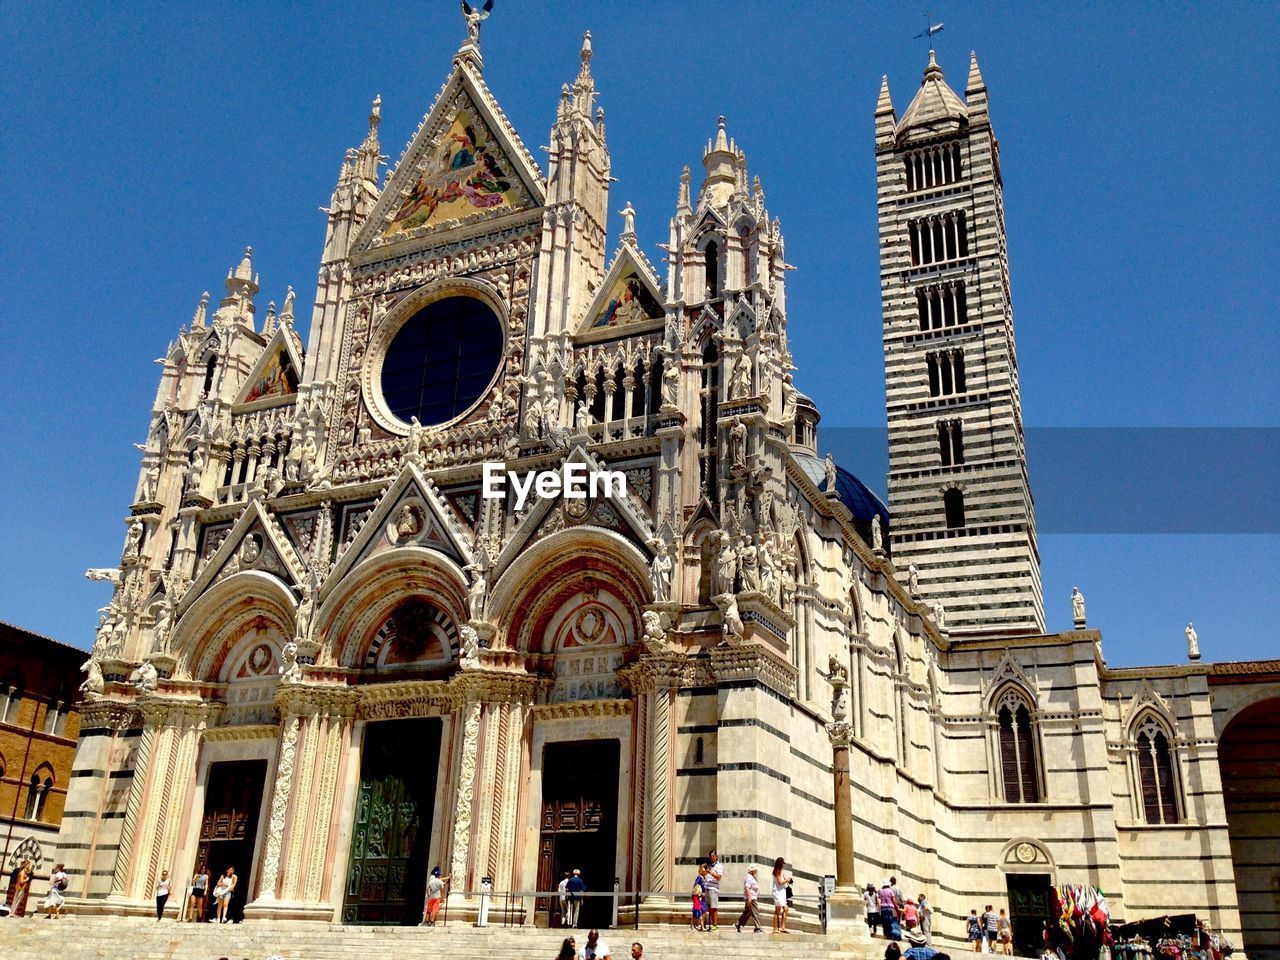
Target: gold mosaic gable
x=461, y=176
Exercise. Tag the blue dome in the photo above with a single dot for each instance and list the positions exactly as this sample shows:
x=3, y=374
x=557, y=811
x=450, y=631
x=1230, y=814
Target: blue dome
x=853, y=493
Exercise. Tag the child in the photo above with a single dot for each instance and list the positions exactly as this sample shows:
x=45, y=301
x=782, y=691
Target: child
x=698, y=897
x=910, y=914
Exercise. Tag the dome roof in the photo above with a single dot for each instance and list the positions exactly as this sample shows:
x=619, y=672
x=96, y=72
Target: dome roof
x=853, y=493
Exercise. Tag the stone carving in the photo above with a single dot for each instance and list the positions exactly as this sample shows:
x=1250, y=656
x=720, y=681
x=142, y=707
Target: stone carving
x=913, y=580
x=146, y=677
x=670, y=378
x=653, y=630
x=290, y=668
x=731, y=629
x=164, y=623
x=1193, y=642
x=660, y=570
x=469, y=645
x=279, y=807
x=251, y=549
x=1077, y=607
x=408, y=522
x=748, y=556
x=413, y=447
x=788, y=400
x=474, y=18
x=740, y=381
x=94, y=683
x=939, y=615
x=466, y=790
x=107, y=574
x=838, y=677
x=738, y=444
x=133, y=545
x=829, y=476
x=726, y=565
x=306, y=608
x=150, y=483
x=478, y=591
x=877, y=534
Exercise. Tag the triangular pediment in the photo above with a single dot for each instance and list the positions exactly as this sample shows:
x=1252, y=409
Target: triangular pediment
x=465, y=164
x=274, y=378
x=254, y=543
x=552, y=514
x=630, y=295
x=411, y=513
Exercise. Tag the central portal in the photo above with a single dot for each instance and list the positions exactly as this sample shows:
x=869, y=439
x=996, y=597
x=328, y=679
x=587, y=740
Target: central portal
x=579, y=826
x=387, y=877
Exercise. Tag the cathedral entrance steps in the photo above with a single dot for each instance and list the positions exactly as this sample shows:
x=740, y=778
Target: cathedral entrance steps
x=135, y=938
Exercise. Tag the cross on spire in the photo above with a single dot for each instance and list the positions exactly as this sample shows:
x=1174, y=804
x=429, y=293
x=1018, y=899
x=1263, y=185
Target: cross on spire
x=930, y=28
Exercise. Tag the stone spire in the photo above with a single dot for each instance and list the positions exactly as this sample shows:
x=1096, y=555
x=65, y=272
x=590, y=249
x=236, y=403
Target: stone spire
x=936, y=108
x=242, y=287
x=975, y=92
x=886, y=116
x=369, y=155
x=720, y=161
x=683, y=206
x=202, y=309
x=584, y=87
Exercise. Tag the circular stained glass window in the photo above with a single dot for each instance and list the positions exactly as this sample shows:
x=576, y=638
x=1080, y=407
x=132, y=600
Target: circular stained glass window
x=441, y=360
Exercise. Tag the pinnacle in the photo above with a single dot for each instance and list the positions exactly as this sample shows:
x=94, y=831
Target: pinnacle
x=885, y=103
x=975, y=81
x=932, y=71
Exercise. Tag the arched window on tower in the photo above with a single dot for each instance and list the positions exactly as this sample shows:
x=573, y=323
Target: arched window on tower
x=712, y=253
x=1156, y=781
x=209, y=370
x=1019, y=769
x=953, y=507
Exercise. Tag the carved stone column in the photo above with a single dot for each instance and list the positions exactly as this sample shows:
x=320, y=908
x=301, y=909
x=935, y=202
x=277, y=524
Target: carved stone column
x=654, y=679
x=162, y=776
x=460, y=855
x=315, y=732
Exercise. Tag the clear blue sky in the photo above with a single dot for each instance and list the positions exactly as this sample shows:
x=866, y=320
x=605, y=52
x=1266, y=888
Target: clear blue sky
x=146, y=144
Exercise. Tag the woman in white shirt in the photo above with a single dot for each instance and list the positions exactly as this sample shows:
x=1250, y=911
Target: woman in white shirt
x=162, y=894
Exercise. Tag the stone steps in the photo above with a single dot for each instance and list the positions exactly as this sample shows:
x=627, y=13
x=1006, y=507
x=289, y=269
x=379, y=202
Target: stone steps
x=136, y=938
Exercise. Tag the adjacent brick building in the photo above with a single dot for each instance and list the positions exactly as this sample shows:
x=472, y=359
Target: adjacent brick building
x=39, y=723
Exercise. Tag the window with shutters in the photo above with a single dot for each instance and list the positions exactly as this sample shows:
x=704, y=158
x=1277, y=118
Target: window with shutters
x=1157, y=784
x=1016, y=735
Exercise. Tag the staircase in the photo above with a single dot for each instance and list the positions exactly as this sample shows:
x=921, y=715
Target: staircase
x=135, y=938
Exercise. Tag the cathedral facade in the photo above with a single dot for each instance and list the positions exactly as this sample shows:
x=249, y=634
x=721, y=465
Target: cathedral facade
x=333, y=663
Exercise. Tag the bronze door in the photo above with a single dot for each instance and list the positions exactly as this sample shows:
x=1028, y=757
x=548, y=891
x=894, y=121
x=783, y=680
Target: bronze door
x=391, y=839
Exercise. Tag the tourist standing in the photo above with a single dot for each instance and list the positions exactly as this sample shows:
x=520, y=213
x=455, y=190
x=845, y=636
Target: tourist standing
x=888, y=911
x=561, y=889
x=778, y=888
x=973, y=930
x=568, y=950
x=162, y=894
x=223, y=893
x=715, y=873
x=893, y=951
x=750, y=894
x=19, y=889
x=991, y=927
x=575, y=888
x=56, y=898
x=199, y=888
x=435, y=894
x=1004, y=934
x=637, y=950
x=926, y=917
x=873, y=908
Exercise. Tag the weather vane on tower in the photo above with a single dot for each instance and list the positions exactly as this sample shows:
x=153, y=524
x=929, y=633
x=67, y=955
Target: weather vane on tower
x=475, y=17
x=929, y=28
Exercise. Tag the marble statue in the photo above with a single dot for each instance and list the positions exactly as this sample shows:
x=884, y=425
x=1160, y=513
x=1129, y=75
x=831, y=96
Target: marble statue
x=108, y=574
x=133, y=545
x=93, y=682
x=148, y=677
x=913, y=580
x=1077, y=607
x=877, y=534
x=829, y=475
x=732, y=628
x=150, y=483
x=469, y=645
x=1193, y=642
x=670, y=379
x=477, y=591
x=726, y=565
x=660, y=570
x=306, y=606
x=740, y=382
x=738, y=444
x=653, y=631
x=290, y=668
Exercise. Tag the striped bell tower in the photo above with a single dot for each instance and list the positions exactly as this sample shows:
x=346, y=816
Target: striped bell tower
x=958, y=489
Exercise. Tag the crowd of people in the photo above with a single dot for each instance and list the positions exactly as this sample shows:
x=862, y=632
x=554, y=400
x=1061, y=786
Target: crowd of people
x=595, y=948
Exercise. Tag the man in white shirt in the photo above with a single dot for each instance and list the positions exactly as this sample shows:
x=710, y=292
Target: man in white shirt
x=715, y=871
x=595, y=949
x=562, y=890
